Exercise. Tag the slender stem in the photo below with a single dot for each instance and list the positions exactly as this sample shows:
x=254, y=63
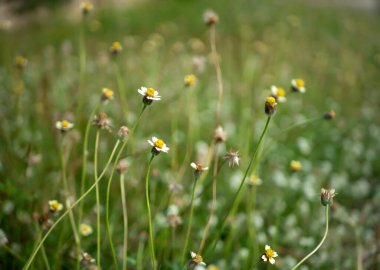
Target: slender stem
x=190, y=222
x=320, y=243
x=14, y=254
x=213, y=204
x=218, y=72
x=82, y=66
x=152, y=255
x=38, y=247
x=109, y=234
x=120, y=85
x=125, y=220
x=97, y=199
x=84, y=161
x=233, y=205
x=46, y=261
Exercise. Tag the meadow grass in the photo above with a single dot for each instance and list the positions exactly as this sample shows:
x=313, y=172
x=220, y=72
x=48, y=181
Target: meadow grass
x=258, y=44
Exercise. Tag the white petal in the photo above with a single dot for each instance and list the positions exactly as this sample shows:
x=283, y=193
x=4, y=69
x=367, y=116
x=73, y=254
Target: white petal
x=274, y=90
x=275, y=254
x=150, y=142
x=271, y=260
x=158, y=149
x=264, y=258
x=267, y=247
x=193, y=254
x=203, y=263
x=281, y=99
x=58, y=124
x=193, y=165
x=302, y=89
x=205, y=168
x=155, y=93
x=154, y=139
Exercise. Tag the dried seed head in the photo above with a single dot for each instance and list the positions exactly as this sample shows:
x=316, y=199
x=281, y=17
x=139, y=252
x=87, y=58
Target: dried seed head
x=87, y=259
x=210, y=17
x=123, y=132
x=220, y=135
x=102, y=121
x=327, y=196
x=233, y=158
x=122, y=166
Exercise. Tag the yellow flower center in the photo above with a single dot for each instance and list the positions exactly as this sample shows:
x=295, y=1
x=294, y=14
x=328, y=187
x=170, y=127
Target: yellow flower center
x=159, y=144
x=65, y=124
x=295, y=165
x=150, y=92
x=280, y=92
x=300, y=83
x=269, y=253
x=271, y=102
x=190, y=80
x=54, y=206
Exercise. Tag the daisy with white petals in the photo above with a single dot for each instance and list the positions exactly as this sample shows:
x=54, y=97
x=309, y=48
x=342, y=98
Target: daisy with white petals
x=196, y=259
x=298, y=85
x=269, y=255
x=64, y=125
x=278, y=93
x=149, y=94
x=158, y=146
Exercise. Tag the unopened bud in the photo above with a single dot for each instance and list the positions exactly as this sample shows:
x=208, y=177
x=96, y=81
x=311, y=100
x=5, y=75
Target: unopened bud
x=327, y=196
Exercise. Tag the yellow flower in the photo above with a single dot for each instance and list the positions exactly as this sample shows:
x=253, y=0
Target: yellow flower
x=55, y=206
x=21, y=62
x=158, y=146
x=86, y=7
x=295, y=165
x=190, y=80
x=107, y=94
x=64, y=125
x=269, y=255
x=298, y=85
x=212, y=267
x=85, y=229
x=270, y=106
x=254, y=180
x=149, y=95
x=116, y=48
x=278, y=93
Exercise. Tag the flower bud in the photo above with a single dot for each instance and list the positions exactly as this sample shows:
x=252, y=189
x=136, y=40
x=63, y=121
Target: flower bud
x=327, y=196
x=329, y=115
x=270, y=106
x=123, y=132
x=210, y=18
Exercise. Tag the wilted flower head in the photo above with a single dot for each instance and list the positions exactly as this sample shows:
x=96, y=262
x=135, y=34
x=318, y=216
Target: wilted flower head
x=278, y=93
x=21, y=62
x=87, y=259
x=329, y=115
x=86, y=7
x=102, y=121
x=190, y=80
x=196, y=259
x=158, y=146
x=3, y=238
x=55, y=206
x=270, y=106
x=298, y=85
x=64, y=125
x=172, y=216
x=43, y=220
x=149, y=95
x=233, y=158
x=220, y=135
x=107, y=94
x=269, y=255
x=123, y=132
x=198, y=169
x=327, y=196
x=85, y=229
x=295, y=165
x=122, y=166
x=116, y=48
x=210, y=17
x=199, y=63
x=174, y=187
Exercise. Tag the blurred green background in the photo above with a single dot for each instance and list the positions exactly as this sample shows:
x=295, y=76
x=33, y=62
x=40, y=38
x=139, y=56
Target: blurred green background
x=334, y=48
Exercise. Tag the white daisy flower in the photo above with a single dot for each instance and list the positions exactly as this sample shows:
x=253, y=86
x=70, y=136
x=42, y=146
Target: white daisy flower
x=158, y=146
x=298, y=85
x=149, y=94
x=269, y=255
x=64, y=125
x=278, y=93
x=196, y=259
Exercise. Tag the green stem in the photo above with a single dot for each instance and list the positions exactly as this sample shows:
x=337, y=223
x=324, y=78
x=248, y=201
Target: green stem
x=120, y=85
x=109, y=234
x=84, y=161
x=237, y=194
x=320, y=243
x=82, y=67
x=125, y=220
x=38, y=247
x=14, y=254
x=97, y=198
x=190, y=222
x=152, y=254
x=46, y=261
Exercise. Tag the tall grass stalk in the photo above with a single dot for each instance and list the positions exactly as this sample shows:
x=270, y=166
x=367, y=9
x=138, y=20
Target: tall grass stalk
x=151, y=242
x=39, y=245
x=109, y=234
x=97, y=199
x=237, y=195
x=120, y=85
x=320, y=243
x=82, y=66
x=190, y=221
x=125, y=221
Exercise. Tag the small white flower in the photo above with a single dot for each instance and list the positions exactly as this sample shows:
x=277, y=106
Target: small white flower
x=198, y=167
x=196, y=259
x=298, y=85
x=278, y=93
x=269, y=255
x=85, y=229
x=64, y=125
x=55, y=206
x=158, y=145
x=149, y=93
